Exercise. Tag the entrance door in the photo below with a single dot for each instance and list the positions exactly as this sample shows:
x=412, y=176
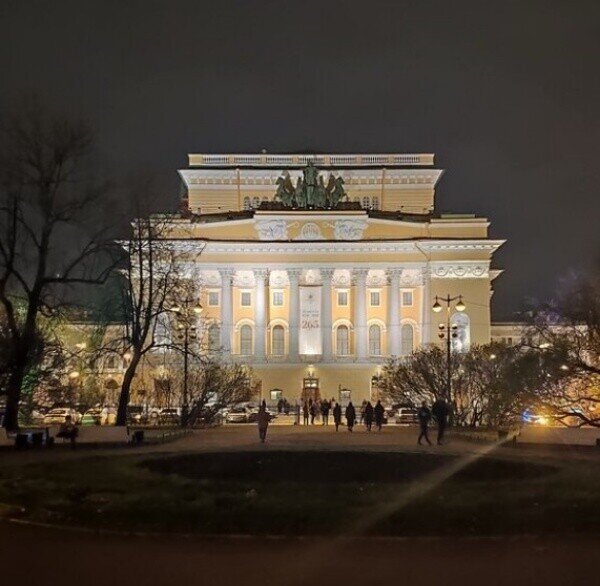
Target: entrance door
x=310, y=389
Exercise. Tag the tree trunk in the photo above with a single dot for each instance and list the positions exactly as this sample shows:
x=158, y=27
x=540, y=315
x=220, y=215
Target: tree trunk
x=126, y=389
x=13, y=398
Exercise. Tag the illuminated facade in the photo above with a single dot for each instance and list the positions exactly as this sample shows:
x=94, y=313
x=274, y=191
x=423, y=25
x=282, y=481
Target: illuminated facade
x=316, y=288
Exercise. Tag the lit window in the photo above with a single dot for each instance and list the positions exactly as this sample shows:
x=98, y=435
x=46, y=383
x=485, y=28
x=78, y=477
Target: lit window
x=342, y=298
x=375, y=203
x=342, y=341
x=278, y=341
x=407, y=339
x=246, y=299
x=246, y=340
x=276, y=394
x=407, y=298
x=277, y=298
x=366, y=202
x=375, y=299
x=255, y=202
x=247, y=204
x=213, y=298
x=374, y=340
x=214, y=337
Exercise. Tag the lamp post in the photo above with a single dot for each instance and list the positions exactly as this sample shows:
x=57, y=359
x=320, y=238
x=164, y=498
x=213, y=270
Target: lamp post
x=185, y=318
x=448, y=332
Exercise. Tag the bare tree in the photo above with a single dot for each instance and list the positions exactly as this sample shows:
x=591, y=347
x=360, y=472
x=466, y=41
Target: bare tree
x=565, y=333
x=49, y=236
x=152, y=280
x=213, y=385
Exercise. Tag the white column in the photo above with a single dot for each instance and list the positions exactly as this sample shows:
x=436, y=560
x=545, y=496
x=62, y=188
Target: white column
x=226, y=309
x=426, y=305
x=360, y=313
x=260, y=313
x=326, y=319
x=393, y=312
x=294, y=314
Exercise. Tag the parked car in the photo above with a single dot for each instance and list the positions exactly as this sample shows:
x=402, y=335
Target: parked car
x=406, y=416
x=169, y=417
x=136, y=415
x=99, y=416
x=242, y=414
x=59, y=415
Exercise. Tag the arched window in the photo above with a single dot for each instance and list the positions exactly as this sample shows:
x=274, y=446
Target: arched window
x=255, y=202
x=214, y=337
x=278, y=341
x=375, y=340
x=246, y=340
x=407, y=339
x=247, y=204
x=375, y=203
x=462, y=342
x=342, y=341
x=366, y=202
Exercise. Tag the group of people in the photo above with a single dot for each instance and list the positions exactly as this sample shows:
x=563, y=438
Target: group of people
x=369, y=415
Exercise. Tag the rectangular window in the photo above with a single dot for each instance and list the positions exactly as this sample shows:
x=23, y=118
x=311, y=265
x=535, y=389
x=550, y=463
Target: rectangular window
x=407, y=298
x=276, y=394
x=375, y=298
x=213, y=298
x=277, y=298
x=342, y=298
x=246, y=299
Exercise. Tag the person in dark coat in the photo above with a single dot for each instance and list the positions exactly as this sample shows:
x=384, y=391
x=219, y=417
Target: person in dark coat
x=350, y=416
x=325, y=407
x=263, y=422
x=337, y=415
x=379, y=412
x=440, y=411
x=305, y=412
x=369, y=415
x=313, y=412
x=424, y=416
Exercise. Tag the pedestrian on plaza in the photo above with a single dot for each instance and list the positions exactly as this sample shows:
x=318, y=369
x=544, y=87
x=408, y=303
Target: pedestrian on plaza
x=263, y=422
x=280, y=406
x=440, y=411
x=337, y=416
x=369, y=415
x=350, y=416
x=379, y=412
x=325, y=407
x=305, y=412
x=313, y=412
x=286, y=407
x=424, y=416
x=363, y=406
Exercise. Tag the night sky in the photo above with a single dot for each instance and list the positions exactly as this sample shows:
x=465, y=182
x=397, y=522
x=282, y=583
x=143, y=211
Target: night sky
x=506, y=94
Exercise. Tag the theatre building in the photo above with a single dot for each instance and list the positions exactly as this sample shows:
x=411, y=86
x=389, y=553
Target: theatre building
x=316, y=269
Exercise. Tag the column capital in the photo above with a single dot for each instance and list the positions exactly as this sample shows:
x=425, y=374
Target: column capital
x=327, y=273
x=226, y=273
x=359, y=276
x=393, y=272
x=261, y=273
x=294, y=274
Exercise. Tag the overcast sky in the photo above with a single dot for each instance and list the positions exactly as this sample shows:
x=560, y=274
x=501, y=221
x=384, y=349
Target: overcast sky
x=506, y=94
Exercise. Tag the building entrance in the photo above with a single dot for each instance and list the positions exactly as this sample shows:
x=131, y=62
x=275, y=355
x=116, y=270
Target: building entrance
x=310, y=389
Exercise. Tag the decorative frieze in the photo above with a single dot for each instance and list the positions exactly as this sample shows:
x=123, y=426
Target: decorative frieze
x=462, y=270
x=271, y=229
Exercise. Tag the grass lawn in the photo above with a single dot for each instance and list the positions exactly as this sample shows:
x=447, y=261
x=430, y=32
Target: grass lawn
x=297, y=493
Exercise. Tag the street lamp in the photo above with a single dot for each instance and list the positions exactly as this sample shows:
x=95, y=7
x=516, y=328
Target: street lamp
x=448, y=331
x=185, y=316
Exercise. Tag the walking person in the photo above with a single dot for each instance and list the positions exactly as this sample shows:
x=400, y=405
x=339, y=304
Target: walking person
x=313, y=412
x=305, y=412
x=363, y=406
x=379, y=412
x=369, y=415
x=424, y=416
x=440, y=411
x=263, y=419
x=337, y=416
x=350, y=416
x=325, y=407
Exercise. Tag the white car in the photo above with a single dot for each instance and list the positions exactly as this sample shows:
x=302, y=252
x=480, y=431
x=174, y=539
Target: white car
x=406, y=416
x=241, y=415
x=59, y=415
